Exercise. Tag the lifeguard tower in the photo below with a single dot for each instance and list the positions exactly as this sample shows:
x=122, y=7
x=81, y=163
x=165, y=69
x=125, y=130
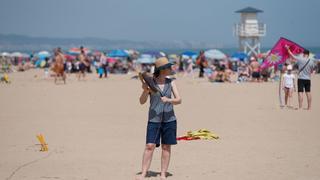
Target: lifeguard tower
x=250, y=31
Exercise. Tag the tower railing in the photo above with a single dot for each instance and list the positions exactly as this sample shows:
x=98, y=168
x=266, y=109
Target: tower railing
x=250, y=29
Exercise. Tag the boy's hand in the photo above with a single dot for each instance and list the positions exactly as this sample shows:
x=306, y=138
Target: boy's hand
x=287, y=47
x=145, y=87
x=165, y=99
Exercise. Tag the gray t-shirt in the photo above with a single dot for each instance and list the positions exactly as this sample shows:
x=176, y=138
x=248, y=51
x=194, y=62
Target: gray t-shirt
x=306, y=72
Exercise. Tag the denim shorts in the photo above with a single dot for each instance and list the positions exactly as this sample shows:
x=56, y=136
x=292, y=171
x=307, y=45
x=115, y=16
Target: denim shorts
x=167, y=132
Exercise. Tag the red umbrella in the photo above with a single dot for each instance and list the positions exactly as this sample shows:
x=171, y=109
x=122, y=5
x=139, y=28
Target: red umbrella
x=78, y=51
x=69, y=57
x=111, y=60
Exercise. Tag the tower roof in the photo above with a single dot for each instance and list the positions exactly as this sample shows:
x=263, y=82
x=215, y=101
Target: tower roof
x=249, y=10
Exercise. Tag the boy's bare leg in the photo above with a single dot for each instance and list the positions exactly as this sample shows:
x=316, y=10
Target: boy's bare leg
x=309, y=99
x=300, y=98
x=165, y=159
x=146, y=161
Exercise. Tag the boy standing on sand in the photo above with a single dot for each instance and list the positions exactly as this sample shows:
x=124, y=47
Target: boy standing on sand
x=162, y=123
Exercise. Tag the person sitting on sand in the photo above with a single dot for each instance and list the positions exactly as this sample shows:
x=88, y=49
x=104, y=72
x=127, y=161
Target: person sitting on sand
x=162, y=123
x=243, y=72
x=58, y=66
x=288, y=85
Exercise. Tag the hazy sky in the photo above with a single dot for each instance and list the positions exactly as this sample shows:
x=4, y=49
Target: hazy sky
x=165, y=20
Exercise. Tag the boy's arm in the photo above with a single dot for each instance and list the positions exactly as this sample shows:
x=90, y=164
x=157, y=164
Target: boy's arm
x=294, y=57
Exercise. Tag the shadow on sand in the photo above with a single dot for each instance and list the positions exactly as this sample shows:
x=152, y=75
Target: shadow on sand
x=154, y=174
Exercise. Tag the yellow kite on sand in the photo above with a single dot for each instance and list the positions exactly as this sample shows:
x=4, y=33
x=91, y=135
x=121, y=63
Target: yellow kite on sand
x=200, y=134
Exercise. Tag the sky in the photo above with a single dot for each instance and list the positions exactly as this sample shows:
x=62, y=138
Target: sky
x=159, y=20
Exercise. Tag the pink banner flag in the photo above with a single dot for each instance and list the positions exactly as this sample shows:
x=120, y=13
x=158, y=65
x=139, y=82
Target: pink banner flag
x=279, y=53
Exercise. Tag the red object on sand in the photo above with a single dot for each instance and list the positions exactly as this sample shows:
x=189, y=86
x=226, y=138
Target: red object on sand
x=187, y=138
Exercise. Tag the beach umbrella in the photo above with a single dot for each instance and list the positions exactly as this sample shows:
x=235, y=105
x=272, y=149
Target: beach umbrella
x=317, y=56
x=239, y=56
x=16, y=54
x=189, y=53
x=77, y=51
x=69, y=57
x=156, y=54
x=146, y=59
x=43, y=54
x=111, y=60
x=5, y=54
x=214, y=54
x=118, y=53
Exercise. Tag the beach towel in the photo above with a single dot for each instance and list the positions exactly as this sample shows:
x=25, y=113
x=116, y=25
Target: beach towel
x=200, y=134
x=279, y=53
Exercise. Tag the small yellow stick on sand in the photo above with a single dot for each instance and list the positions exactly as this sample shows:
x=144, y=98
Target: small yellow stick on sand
x=44, y=145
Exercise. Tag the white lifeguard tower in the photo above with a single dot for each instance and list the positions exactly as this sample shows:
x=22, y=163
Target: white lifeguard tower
x=249, y=31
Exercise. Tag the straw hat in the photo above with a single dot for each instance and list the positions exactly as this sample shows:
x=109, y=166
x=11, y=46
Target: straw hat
x=162, y=63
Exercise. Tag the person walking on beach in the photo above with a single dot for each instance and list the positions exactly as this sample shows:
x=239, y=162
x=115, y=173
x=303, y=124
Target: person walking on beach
x=202, y=62
x=58, y=66
x=305, y=66
x=288, y=85
x=162, y=122
x=83, y=64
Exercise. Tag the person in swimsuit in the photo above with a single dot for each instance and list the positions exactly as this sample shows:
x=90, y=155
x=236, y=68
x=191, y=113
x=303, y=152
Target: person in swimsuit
x=162, y=122
x=82, y=65
x=58, y=66
x=255, y=70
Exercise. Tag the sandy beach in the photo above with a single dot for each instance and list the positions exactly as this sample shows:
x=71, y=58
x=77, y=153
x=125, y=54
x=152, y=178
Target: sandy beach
x=96, y=130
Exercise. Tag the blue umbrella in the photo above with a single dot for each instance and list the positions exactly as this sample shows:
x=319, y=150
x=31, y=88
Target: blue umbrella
x=156, y=54
x=146, y=59
x=318, y=56
x=189, y=53
x=239, y=55
x=118, y=53
x=43, y=54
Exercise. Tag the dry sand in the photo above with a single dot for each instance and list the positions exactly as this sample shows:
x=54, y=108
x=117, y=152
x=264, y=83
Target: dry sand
x=96, y=131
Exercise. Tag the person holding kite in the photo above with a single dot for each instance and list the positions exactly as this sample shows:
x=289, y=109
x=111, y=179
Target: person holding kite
x=306, y=65
x=162, y=122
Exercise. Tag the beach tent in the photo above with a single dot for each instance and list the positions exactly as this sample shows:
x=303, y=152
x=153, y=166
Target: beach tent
x=118, y=53
x=239, y=56
x=214, y=54
x=146, y=59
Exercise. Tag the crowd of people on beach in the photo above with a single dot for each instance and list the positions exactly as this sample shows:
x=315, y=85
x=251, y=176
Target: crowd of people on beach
x=82, y=61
